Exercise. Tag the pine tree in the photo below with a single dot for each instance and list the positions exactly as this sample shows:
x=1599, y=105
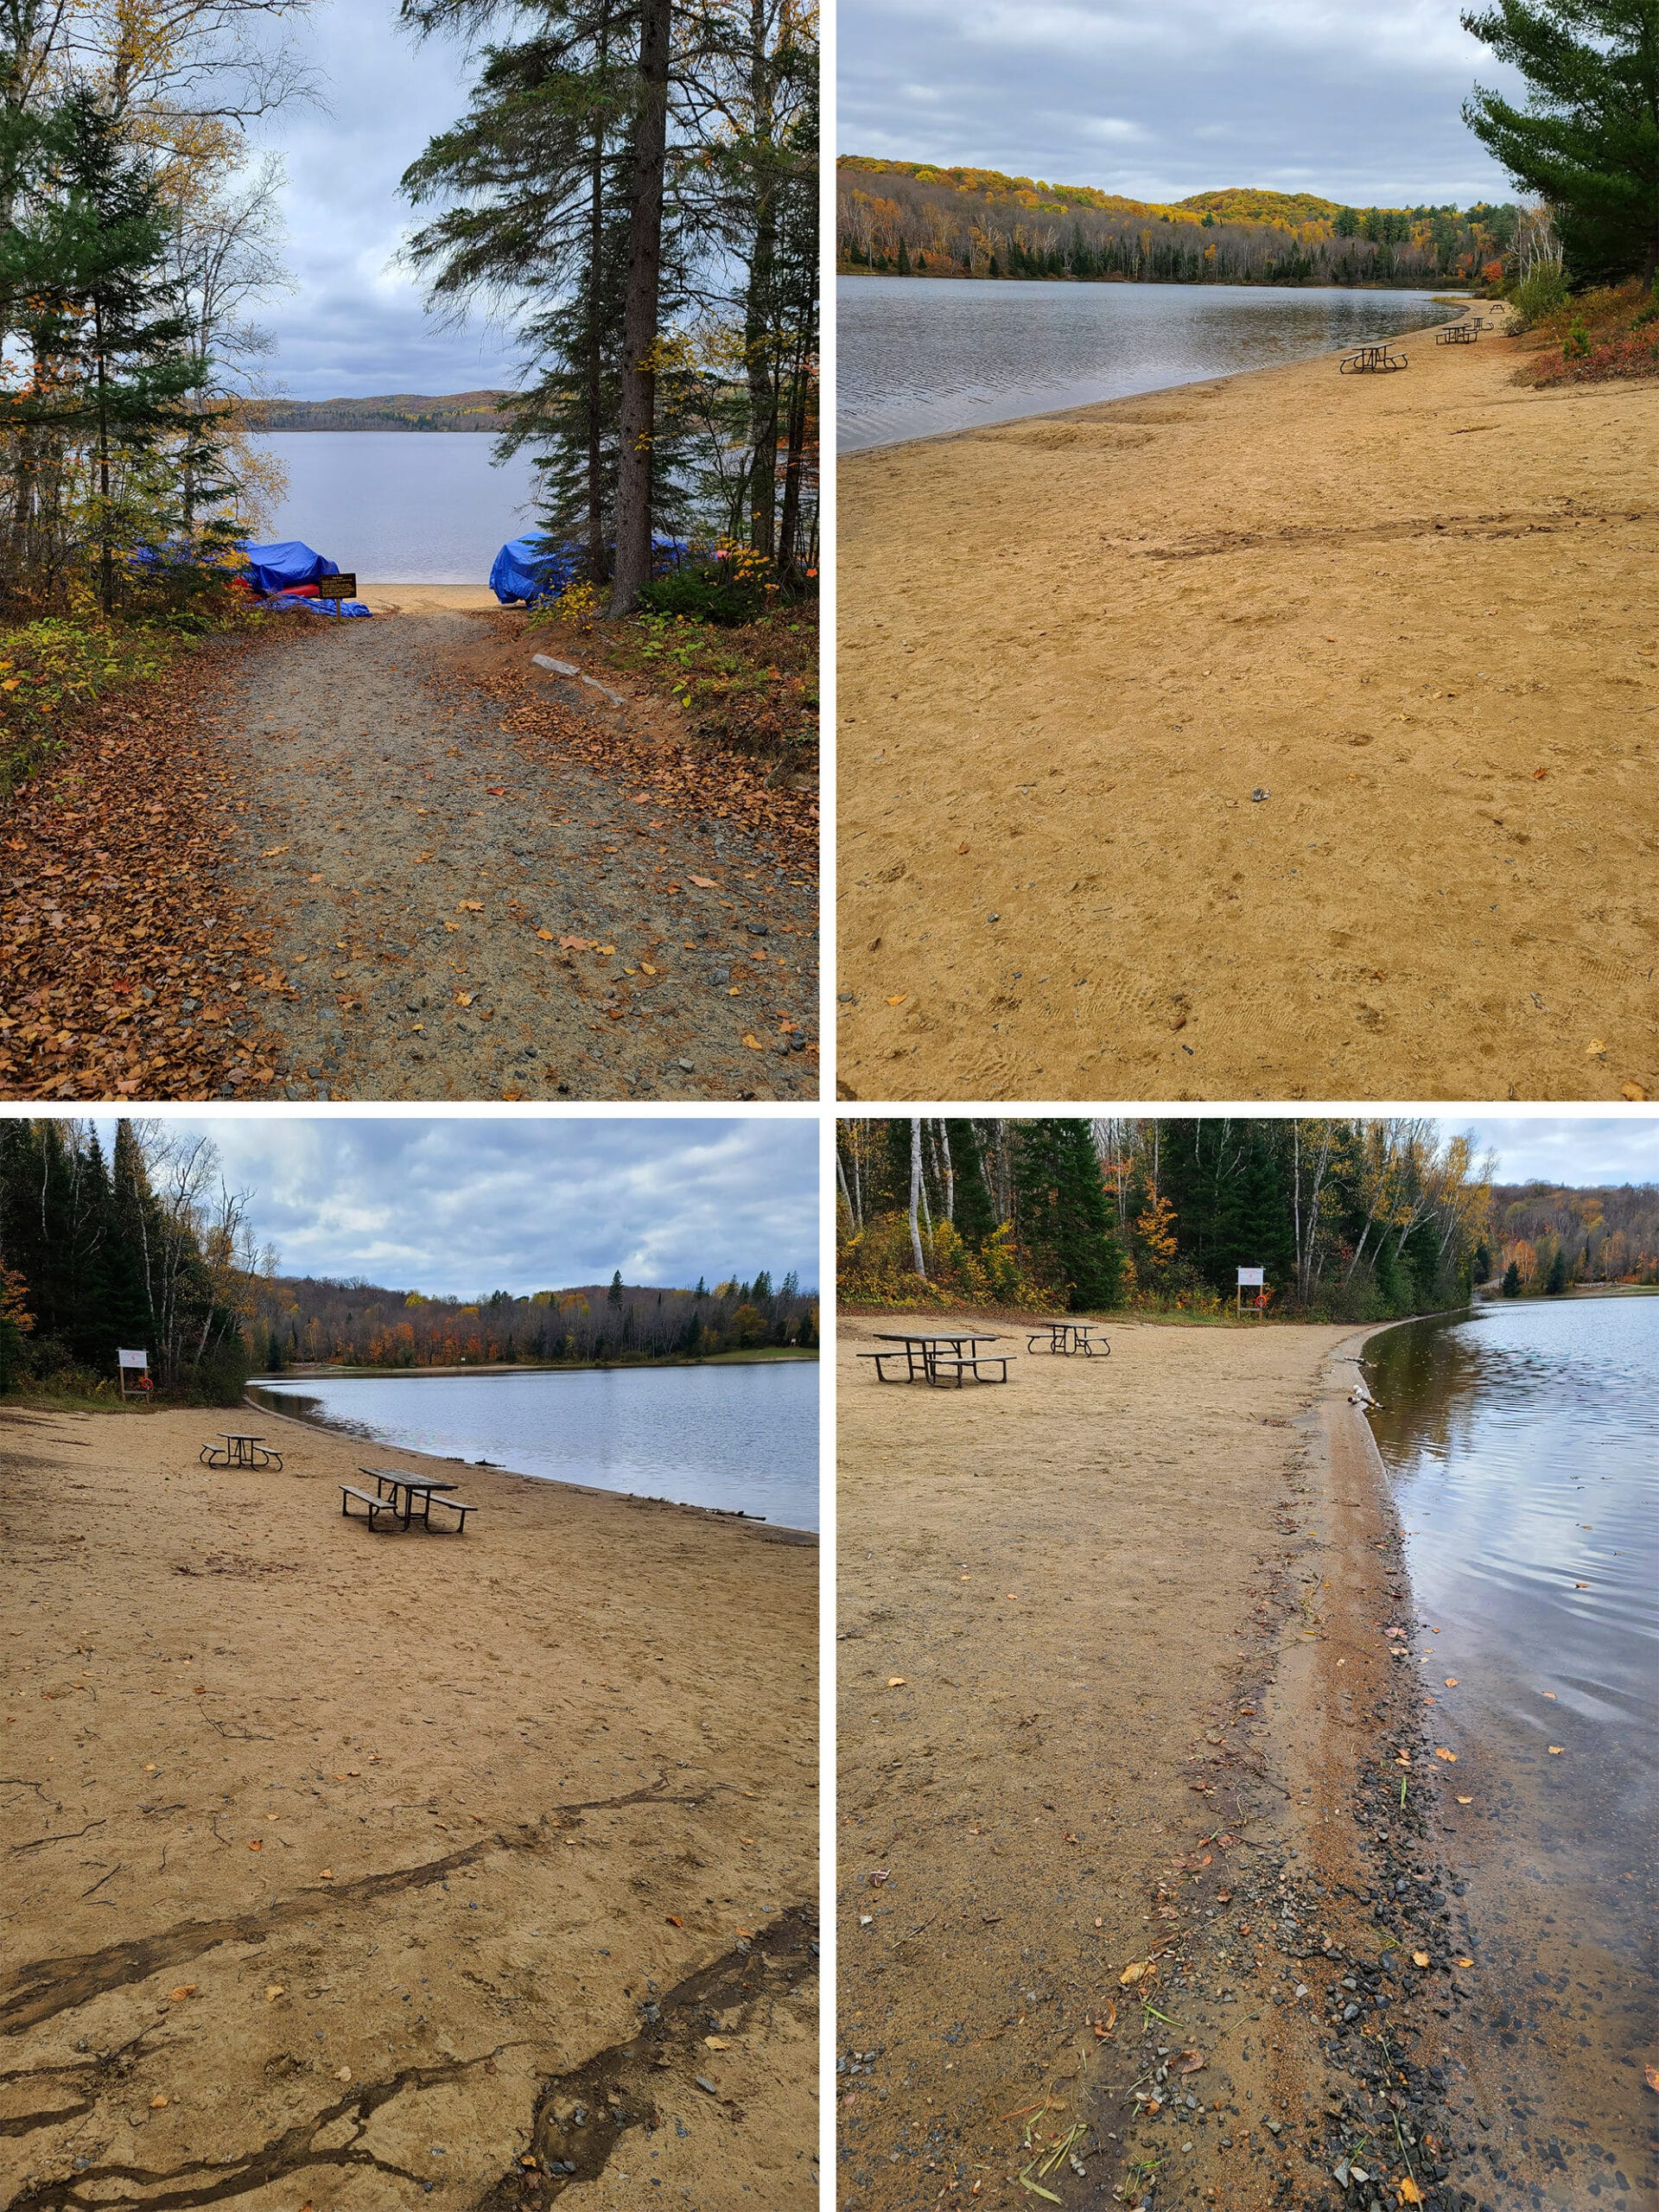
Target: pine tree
x=1587, y=139
x=1064, y=1219
x=1511, y=1284
x=113, y=367
x=1555, y=1280
x=974, y=1219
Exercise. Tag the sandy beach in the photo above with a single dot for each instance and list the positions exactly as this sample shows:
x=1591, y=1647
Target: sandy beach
x=1120, y=1727
x=1291, y=735
x=359, y=1870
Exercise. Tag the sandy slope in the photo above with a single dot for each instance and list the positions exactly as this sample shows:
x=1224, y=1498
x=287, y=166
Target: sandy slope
x=535, y=1816
x=1114, y=1688
x=1071, y=649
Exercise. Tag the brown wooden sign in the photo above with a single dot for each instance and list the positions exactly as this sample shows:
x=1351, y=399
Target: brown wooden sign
x=342, y=586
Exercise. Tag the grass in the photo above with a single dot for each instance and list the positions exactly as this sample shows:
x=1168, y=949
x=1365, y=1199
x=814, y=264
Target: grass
x=56, y=665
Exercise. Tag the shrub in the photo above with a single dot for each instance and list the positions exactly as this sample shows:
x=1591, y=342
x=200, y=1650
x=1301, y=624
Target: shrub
x=1576, y=344
x=701, y=594
x=1542, y=295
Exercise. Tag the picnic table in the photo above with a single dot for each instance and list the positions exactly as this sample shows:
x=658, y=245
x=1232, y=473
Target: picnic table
x=1458, y=333
x=240, y=1449
x=1068, y=1337
x=929, y=1356
x=393, y=1483
x=1371, y=360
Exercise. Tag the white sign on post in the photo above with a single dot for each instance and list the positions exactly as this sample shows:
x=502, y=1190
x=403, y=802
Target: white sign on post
x=133, y=1358
x=1252, y=1278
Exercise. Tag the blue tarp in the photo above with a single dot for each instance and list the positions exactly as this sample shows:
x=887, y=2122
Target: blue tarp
x=533, y=567
x=536, y=567
x=283, y=601
x=279, y=567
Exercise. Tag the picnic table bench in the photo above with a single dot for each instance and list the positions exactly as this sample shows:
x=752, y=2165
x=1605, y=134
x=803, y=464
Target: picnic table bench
x=1458, y=333
x=1068, y=1337
x=241, y=1450
x=389, y=1482
x=1371, y=360
x=923, y=1354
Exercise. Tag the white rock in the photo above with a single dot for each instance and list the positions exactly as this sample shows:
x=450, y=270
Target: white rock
x=554, y=667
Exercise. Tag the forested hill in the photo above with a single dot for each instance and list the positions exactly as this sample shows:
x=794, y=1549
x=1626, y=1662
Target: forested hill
x=914, y=219
x=398, y=410
x=309, y=1318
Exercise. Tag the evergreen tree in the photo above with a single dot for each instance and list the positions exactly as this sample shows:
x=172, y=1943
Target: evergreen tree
x=1555, y=1280
x=1511, y=1284
x=1587, y=139
x=975, y=1217
x=613, y=1295
x=113, y=366
x=1064, y=1220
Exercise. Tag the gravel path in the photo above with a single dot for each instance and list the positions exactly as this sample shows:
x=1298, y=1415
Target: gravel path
x=461, y=912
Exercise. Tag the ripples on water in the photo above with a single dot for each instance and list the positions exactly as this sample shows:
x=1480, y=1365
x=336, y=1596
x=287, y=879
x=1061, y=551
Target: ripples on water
x=916, y=355
x=741, y=1438
x=401, y=507
x=1523, y=1449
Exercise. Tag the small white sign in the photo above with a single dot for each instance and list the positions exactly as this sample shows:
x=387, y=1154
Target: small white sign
x=132, y=1358
x=1252, y=1278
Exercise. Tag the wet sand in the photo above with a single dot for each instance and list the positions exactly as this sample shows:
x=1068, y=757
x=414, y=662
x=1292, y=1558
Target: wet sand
x=1120, y=1718
x=428, y=598
x=351, y=1869
x=1406, y=611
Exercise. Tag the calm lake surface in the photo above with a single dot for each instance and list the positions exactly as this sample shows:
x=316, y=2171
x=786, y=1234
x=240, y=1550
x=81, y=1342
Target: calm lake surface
x=743, y=1438
x=919, y=354
x=401, y=507
x=1523, y=1448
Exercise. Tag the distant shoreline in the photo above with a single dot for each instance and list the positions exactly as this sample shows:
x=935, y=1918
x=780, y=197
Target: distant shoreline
x=763, y=1355
x=1450, y=289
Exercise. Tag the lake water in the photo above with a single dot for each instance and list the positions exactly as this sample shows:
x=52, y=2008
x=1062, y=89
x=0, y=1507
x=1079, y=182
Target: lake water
x=916, y=355
x=1523, y=1448
x=742, y=1437
x=402, y=506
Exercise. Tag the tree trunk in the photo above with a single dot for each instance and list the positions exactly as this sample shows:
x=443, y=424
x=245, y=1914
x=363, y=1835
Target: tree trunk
x=638, y=412
x=916, y=1193
x=760, y=339
x=598, y=553
x=106, y=551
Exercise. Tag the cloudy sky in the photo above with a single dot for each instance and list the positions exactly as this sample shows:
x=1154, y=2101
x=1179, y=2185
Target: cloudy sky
x=1158, y=101
x=355, y=322
x=1586, y=1150
x=462, y=1205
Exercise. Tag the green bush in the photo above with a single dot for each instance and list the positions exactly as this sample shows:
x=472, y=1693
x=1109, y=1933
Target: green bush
x=1576, y=344
x=702, y=595
x=1541, y=296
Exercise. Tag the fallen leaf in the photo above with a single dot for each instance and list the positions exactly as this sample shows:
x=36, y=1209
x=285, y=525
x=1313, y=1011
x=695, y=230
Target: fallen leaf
x=1466, y=1800
x=715, y=2043
x=753, y=1043
x=1555, y=1751
x=896, y=1682
x=1451, y=1681
x=1595, y=1049
x=1538, y=774
x=342, y=2073
x=547, y=934
x=273, y=1991
x=898, y=998
x=1466, y=1962
x=158, y=2104
x=705, y=882
x=1192, y=2061
x=962, y=848
x=1631, y=1090
x=674, y=1920
x=1450, y=1758
x=1133, y=1973
x=1549, y=1694
x=465, y=998
x=469, y=905
x=185, y=1989
x=1419, y=1958
x=1409, y=2192
x=576, y=944
x=1651, y=2074
x=646, y=968
x=327, y=1875
x=255, y=1843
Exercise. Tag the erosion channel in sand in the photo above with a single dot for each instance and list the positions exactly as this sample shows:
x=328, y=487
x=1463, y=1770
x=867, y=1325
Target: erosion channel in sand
x=1126, y=1872
x=370, y=1868
x=1286, y=736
